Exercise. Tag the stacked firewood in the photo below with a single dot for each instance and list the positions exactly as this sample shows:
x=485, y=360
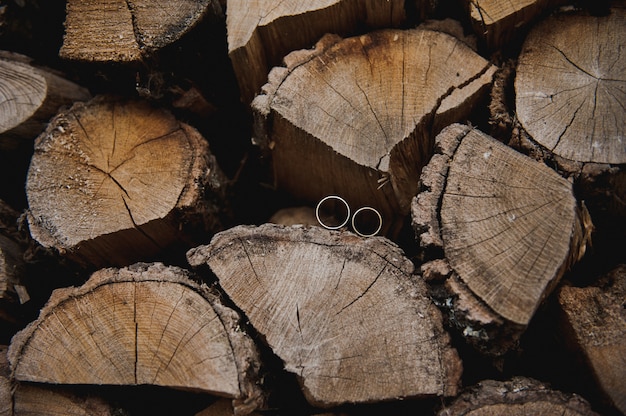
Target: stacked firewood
x=327, y=207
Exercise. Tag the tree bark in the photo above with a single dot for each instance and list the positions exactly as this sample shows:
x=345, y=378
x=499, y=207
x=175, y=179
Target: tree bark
x=508, y=228
x=595, y=321
x=354, y=117
x=499, y=22
x=29, y=97
x=112, y=182
x=127, y=30
x=262, y=32
x=517, y=397
x=145, y=324
x=343, y=313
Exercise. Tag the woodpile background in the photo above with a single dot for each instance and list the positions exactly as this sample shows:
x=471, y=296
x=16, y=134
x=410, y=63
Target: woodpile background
x=161, y=163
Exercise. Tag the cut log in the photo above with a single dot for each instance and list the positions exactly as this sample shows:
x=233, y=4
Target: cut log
x=498, y=22
x=127, y=30
x=25, y=399
x=595, y=321
x=570, y=85
x=112, y=182
x=354, y=116
x=145, y=324
x=30, y=96
x=262, y=32
x=517, y=397
x=507, y=226
x=344, y=313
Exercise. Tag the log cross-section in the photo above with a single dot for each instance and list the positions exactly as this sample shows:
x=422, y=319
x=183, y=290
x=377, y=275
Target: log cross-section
x=111, y=179
x=343, y=313
x=145, y=324
x=571, y=86
x=509, y=226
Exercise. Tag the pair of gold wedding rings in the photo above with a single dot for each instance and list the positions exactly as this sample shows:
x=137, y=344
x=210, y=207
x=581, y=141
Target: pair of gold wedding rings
x=359, y=212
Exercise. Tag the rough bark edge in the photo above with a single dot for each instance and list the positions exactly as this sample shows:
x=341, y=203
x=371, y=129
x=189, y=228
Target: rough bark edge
x=246, y=355
x=388, y=251
x=517, y=391
x=202, y=206
x=480, y=325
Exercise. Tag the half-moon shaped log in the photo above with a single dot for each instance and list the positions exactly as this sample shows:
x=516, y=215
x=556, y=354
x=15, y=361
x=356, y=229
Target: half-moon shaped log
x=509, y=226
x=145, y=324
x=344, y=313
x=355, y=116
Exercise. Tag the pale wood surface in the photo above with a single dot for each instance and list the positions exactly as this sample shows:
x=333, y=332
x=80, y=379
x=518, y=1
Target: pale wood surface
x=497, y=22
x=108, y=179
x=123, y=31
x=145, y=324
x=570, y=85
x=508, y=225
x=344, y=313
x=30, y=95
x=354, y=116
x=262, y=32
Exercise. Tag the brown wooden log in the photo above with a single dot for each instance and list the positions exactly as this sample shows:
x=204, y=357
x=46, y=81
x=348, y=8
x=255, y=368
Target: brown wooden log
x=145, y=324
x=498, y=22
x=594, y=319
x=262, y=32
x=26, y=399
x=30, y=96
x=112, y=182
x=571, y=111
x=344, y=313
x=508, y=228
x=354, y=116
x=127, y=30
x=517, y=397
x=569, y=86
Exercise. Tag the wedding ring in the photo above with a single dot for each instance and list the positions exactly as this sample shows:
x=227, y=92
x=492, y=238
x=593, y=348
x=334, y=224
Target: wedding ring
x=332, y=227
x=363, y=209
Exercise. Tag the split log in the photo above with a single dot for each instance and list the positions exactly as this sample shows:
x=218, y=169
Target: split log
x=127, y=30
x=145, y=324
x=262, y=32
x=112, y=182
x=569, y=87
x=345, y=314
x=30, y=96
x=26, y=399
x=498, y=22
x=355, y=116
x=507, y=226
x=594, y=320
x=518, y=397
